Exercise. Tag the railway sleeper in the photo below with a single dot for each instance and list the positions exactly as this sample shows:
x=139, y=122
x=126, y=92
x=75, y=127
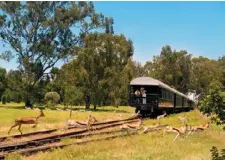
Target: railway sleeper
x=50, y=139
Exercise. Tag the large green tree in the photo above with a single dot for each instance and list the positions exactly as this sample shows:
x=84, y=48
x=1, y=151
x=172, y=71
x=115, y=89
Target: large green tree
x=104, y=57
x=203, y=72
x=99, y=67
x=221, y=62
x=171, y=67
x=214, y=100
x=39, y=34
x=2, y=81
x=15, y=85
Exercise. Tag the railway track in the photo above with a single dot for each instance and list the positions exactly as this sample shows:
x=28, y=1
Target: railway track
x=47, y=142
x=18, y=136
x=30, y=151
x=57, y=143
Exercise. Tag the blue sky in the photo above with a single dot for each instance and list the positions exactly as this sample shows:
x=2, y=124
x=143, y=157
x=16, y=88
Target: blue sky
x=198, y=27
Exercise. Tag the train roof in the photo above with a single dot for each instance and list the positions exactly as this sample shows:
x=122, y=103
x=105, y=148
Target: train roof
x=149, y=81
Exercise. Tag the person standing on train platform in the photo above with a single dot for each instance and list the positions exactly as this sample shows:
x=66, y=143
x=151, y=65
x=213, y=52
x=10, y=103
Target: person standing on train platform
x=137, y=94
x=143, y=95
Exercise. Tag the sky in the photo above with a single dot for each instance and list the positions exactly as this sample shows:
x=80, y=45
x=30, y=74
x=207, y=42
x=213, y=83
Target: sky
x=198, y=27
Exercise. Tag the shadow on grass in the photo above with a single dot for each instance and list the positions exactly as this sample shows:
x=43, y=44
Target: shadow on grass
x=13, y=107
x=100, y=109
x=107, y=110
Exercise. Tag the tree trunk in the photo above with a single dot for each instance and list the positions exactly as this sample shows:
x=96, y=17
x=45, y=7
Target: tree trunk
x=95, y=106
x=87, y=106
x=87, y=101
x=28, y=104
x=70, y=112
x=28, y=96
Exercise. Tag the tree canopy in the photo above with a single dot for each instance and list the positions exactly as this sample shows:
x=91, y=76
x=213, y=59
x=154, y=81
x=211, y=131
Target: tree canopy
x=39, y=34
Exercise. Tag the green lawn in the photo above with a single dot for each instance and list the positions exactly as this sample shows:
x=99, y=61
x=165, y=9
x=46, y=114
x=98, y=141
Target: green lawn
x=55, y=118
x=149, y=146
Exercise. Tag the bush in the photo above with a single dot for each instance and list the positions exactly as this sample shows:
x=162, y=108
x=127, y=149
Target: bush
x=52, y=98
x=3, y=99
x=8, y=98
x=216, y=155
x=213, y=101
x=18, y=98
x=73, y=96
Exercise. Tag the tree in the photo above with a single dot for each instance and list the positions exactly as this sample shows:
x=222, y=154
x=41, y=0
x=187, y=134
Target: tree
x=52, y=98
x=129, y=72
x=98, y=69
x=221, y=62
x=2, y=80
x=54, y=73
x=73, y=96
x=3, y=99
x=171, y=67
x=8, y=99
x=40, y=34
x=15, y=85
x=214, y=100
x=103, y=59
x=203, y=72
x=108, y=25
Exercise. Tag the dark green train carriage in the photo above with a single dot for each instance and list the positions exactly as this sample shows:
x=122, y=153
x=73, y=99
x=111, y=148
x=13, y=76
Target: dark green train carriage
x=158, y=97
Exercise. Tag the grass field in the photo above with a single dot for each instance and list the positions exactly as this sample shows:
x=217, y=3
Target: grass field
x=151, y=146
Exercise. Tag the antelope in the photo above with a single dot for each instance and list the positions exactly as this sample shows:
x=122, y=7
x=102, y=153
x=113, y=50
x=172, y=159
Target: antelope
x=200, y=127
x=91, y=120
x=161, y=116
x=179, y=132
x=127, y=127
x=182, y=119
x=147, y=129
x=75, y=123
x=27, y=120
x=72, y=122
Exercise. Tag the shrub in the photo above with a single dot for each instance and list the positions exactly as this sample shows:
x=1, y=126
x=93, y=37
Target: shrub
x=73, y=96
x=8, y=98
x=216, y=155
x=3, y=99
x=52, y=98
x=213, y=101
x=18, y=98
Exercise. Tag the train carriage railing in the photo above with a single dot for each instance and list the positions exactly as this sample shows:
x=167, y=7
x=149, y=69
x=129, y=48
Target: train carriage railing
x=150, y=99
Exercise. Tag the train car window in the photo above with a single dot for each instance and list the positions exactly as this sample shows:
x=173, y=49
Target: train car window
x=160, y=93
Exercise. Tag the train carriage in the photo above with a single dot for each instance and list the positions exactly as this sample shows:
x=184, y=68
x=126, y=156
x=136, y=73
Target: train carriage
x=158, y=97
